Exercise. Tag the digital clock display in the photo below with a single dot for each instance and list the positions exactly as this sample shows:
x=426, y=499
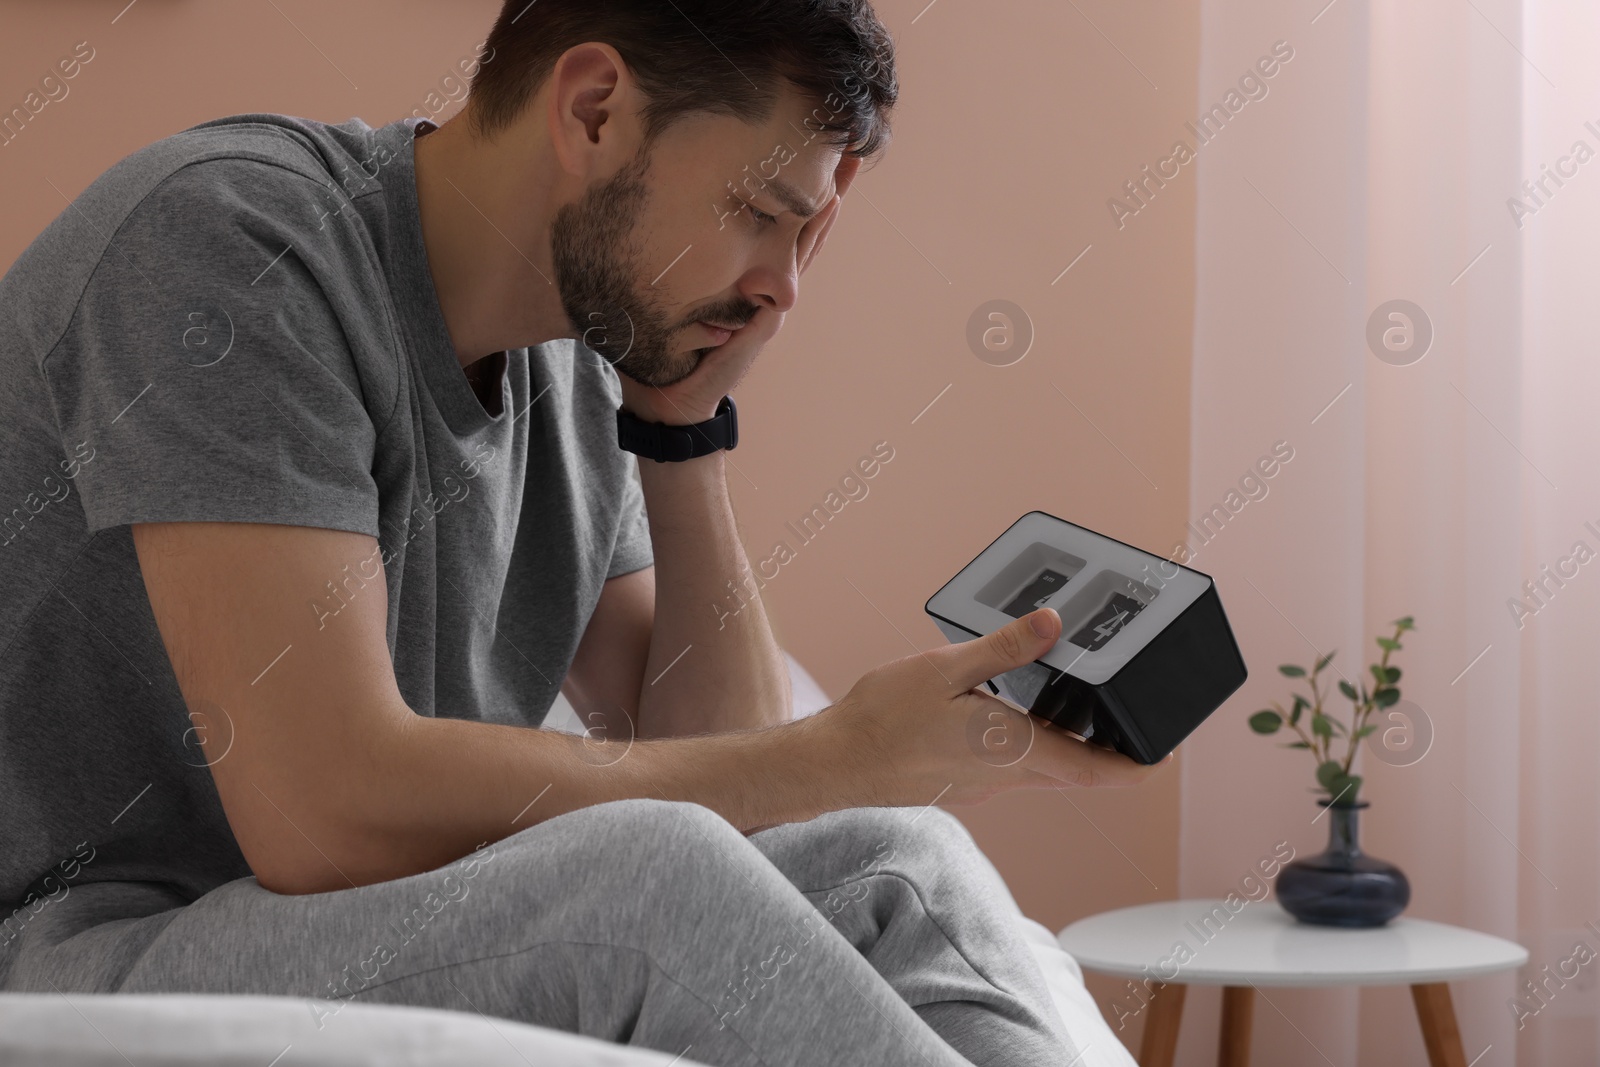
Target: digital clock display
x=1035, y=593
x=1107, y=622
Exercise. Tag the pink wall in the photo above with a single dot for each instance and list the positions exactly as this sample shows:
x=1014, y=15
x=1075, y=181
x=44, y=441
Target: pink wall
x=1018, y=122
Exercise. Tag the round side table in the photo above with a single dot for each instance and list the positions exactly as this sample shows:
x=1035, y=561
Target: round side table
x=1262, y=945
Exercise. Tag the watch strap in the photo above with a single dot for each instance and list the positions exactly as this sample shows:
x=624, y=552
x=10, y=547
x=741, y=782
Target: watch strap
x=674, y=444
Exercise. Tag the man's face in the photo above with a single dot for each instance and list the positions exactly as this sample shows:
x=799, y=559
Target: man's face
x=682, y=237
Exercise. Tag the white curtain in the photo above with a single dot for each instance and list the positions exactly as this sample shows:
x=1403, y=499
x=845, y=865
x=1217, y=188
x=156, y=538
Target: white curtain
x=1387, y=163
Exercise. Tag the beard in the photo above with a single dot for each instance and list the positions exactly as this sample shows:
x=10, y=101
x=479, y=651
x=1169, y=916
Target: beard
x=597, y=252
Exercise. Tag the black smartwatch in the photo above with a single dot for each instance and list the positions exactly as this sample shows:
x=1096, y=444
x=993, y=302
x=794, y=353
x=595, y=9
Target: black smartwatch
x=673, y=444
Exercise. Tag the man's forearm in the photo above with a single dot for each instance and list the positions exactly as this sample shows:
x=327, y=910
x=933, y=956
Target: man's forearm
x=427, y=791
x=708, y=670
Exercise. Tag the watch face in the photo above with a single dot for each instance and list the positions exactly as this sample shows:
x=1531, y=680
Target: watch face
x=1106, y=622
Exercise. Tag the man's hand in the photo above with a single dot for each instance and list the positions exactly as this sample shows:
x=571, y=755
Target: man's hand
x=915, y=729
x=696, y=397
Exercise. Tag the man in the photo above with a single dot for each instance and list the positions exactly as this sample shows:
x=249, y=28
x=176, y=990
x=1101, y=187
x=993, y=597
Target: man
x=340, y=406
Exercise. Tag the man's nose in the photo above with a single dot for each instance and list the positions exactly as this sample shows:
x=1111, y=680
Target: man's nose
x=775, y=284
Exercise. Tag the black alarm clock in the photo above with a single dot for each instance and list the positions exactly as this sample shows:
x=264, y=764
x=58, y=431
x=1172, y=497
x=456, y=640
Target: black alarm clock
x=1145, y=652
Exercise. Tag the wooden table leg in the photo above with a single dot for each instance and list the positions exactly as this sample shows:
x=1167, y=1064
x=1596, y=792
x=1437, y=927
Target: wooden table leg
x=1238, y=1006
x=1160, y=1043
x=1439, y=1030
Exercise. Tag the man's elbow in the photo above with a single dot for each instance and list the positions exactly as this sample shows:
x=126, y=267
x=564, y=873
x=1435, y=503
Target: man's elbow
x=307, y=853
x=293, y=880
x=327, y=823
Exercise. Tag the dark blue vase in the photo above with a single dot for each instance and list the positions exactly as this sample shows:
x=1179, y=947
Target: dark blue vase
x=1343, y=886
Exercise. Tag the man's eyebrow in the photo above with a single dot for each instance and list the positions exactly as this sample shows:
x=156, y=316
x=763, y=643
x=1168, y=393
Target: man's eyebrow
x=790, y=198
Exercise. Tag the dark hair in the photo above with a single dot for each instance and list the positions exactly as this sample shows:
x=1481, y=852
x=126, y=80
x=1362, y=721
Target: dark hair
x=720, y=56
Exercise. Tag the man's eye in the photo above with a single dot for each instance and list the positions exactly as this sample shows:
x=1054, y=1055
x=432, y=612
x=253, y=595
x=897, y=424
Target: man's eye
x=761, y=217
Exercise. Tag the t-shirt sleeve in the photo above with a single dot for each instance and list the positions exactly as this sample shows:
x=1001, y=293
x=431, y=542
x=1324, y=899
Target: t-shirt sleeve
x=206, y=367
x=633, y=551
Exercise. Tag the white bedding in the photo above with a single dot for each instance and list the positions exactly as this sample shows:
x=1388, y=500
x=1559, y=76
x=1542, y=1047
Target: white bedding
x=55, y=1030
x=114, y=1030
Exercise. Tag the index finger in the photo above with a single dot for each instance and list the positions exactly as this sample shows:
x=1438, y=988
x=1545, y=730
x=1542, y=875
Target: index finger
x=815, y=233
x=845, y=173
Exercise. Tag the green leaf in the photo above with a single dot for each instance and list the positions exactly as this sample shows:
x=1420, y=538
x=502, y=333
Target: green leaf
x=1300, y=704
x=1348, y=690
x=1319, y=725
x=1365, y=730
x=1388, y=644
x=1337, y=725
x=1266, y=722
x=1386, y=697
x=1297, y=744
x=1328, y=773
x=1289, y=670
x=1405, y=623
x=1344, y=788
x=1324, y=661
x=1392, y=675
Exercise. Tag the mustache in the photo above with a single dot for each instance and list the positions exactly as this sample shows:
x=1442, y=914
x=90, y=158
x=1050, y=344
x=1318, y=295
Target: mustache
x=733, y=319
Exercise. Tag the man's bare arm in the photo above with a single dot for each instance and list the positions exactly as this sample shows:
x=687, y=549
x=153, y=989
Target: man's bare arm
x=607, y=673
x=330, y=780
x=714, y=664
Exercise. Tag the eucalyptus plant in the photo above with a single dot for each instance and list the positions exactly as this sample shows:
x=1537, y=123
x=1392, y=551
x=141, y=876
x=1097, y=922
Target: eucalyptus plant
x=1318, y=729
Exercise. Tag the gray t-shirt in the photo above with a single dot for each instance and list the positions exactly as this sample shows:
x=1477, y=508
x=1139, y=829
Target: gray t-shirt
x=237, y=323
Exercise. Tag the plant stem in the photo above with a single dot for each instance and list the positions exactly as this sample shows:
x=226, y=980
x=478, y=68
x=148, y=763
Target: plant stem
x=1364, y=709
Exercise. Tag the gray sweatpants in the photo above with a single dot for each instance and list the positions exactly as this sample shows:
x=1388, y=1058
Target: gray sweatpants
x=871, y=935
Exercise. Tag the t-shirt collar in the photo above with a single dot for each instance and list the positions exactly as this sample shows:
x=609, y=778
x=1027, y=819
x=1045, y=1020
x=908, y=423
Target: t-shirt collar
x=416, y=298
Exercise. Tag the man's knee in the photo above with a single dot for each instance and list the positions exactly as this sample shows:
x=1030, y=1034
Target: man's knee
x=665, y=829
x=903, y=835
x=660, y=874
x=677, y=848
x=654, y=823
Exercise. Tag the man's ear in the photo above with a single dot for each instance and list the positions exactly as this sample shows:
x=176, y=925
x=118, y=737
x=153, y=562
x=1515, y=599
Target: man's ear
x=593, y=115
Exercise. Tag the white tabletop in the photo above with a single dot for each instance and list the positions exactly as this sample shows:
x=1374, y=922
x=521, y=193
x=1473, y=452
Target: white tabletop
x=1203, y=942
